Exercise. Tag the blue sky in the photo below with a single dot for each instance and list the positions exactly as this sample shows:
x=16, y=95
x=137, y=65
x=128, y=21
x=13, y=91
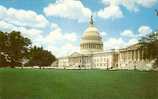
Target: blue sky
x=58, y=25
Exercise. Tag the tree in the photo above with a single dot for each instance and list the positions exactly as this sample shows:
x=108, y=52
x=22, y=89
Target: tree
x=3, y=61
x=150, y=42
x=16, y=50
x=13, y=48
x=3, y=39
x=40, y=57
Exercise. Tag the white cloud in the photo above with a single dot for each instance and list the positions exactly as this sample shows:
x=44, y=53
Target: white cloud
x=134, y=5
x=70, y=48
x=58, y=35
x=127, y=33
x=54, y=35
x=114, y=43
x=33, y=26
x=147, y=3
x=66, y=49
x=29, y=23
x=70, y=9
x=103, y=34
x=143, y=30
x=60, y=43
x=6, y=26
x=56, y=41
x=132, y=41
x=112, y=11
x=131, y=5
x=70, y=36
x=23, y=18
x=117, y=43
x=34, y=34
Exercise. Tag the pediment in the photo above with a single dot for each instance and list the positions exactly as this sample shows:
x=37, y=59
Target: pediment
x=75, y=54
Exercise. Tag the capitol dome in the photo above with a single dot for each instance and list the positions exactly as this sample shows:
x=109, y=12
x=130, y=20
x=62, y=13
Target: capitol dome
x=91, y=40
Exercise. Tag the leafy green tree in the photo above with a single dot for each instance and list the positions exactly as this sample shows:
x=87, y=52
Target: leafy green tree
x=3, y=62
x=16, y=50
x=14, y=47
x=3, y=39
x=150, y=42
x=40, y=57
x=18, y=47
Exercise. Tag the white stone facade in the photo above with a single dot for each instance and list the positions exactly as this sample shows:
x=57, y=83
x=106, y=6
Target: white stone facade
x=92, y=56
x=102, y=60
x=105, y=60
x=133, y=58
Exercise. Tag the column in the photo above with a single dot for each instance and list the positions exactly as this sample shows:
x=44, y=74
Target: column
x=124, y=55
x=138, y=54
x=129, y=55
x=135, y=55
x=126, y=58
x=132, y=54
x=143, y=54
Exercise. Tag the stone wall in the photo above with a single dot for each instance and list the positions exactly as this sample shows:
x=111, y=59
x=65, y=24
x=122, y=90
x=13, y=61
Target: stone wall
x=130, y=58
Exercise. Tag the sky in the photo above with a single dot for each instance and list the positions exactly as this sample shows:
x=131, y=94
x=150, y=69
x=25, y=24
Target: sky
x=58, y=25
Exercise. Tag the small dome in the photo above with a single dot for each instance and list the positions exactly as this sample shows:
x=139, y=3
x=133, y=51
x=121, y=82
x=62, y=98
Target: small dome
x=91, y=40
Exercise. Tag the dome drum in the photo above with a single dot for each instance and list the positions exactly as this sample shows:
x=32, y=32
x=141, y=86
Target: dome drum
x=91, y=46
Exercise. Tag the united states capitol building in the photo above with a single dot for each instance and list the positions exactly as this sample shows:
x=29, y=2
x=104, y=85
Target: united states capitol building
x=93, y=56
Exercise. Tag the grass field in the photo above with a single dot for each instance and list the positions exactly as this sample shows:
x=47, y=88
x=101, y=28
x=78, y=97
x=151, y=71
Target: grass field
x=77, y=84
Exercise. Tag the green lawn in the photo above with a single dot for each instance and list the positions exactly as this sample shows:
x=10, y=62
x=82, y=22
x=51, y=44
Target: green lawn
x=77, y=84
